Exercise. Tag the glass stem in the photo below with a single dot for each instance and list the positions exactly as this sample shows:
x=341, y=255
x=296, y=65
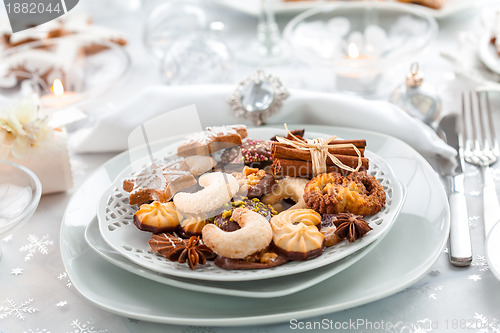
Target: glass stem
x=371, y=13
x=268, y=33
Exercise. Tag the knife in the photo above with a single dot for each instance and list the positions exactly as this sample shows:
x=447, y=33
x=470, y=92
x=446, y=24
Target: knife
x=460, y=244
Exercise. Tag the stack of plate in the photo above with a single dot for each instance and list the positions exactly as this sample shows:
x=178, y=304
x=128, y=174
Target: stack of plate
x=114, y=268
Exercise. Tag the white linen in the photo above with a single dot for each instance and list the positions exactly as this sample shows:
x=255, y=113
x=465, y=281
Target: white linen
x=110, y=133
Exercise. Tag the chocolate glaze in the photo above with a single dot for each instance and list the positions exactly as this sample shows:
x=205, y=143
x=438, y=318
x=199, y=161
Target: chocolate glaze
x=155, y=230
x=254, y=153
x=264, y=186
x=300, y=256
x=224, y=221
x=186, y=234
x=228, y=263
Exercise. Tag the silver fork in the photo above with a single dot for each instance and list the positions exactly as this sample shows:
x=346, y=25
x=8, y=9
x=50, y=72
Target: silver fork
x=480, y=148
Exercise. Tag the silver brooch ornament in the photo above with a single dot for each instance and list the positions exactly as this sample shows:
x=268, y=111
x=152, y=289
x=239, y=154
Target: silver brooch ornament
x=258, y=97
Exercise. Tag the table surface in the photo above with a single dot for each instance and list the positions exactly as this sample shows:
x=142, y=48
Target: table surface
x=37, y=295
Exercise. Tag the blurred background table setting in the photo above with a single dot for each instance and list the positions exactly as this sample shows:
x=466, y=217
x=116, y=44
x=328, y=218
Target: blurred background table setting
x=76, y=92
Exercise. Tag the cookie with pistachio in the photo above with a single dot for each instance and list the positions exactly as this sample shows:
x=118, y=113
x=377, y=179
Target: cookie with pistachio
x=224, y=220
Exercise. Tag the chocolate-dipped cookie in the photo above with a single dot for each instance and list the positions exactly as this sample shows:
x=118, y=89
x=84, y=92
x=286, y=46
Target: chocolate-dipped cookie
x=254, y=182
x=266, y=258
x=224, y=220
x=328, y=229
x=157, y=217
x=255, y=153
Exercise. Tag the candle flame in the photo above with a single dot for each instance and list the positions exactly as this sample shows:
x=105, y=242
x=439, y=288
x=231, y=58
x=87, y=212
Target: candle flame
x=57, y=88
x=352, y=51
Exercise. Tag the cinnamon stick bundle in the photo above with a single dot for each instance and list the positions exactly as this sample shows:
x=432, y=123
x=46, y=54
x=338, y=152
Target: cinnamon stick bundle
x=304, y=169
x=284, y=151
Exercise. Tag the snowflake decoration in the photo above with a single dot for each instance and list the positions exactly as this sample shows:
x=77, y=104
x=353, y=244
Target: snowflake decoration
x=481, y=263
x=7, y=238
x=474, y=277
x=483, y=325
x=64, y=275
x=61, y=304
x=16, y=271
x=87, y=327
x=473, y=221
x=19, y=311
x=434, y=273
x=35, y=245
x=446, y=250
x=420, y=326
x=434, y=295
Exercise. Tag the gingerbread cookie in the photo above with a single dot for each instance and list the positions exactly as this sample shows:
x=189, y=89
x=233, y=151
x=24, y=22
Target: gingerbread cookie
x=211, y=140
x=158, y=182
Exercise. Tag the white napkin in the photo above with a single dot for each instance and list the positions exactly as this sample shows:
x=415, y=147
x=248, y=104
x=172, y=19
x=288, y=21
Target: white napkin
x=110, y=133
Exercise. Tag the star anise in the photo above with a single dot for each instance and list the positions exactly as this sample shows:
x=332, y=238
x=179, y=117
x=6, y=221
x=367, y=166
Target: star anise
x=174, y=248
x=351, y=226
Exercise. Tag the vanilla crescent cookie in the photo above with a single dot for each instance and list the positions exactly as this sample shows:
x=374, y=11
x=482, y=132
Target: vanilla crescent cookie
x=288, y=188
x=255, y=235
x=218, y=188
x=199, y=164
x=296, y=234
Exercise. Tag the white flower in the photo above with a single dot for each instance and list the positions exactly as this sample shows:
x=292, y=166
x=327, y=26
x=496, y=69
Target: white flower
x=22, y=127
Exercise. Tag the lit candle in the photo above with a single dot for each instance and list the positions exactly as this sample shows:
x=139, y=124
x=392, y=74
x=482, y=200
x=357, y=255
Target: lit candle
x=352, y=51
x=57, y=88
x=58, y=98
x=352, y=77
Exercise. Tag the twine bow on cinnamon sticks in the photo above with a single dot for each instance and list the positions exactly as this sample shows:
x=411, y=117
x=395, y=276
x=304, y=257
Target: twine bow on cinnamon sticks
x=296, y=157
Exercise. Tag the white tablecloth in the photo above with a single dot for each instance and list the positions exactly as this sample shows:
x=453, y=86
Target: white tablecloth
x=36, y=294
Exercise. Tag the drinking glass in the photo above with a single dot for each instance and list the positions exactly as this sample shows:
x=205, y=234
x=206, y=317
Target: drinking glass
x=170, y=21
x=268, y=49
x=198, y=58
x=20, y=192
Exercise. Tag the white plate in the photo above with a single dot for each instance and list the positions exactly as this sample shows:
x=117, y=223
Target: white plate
x=253, y=7
x=277, y=287
x=492, y=250
x=488, y=54
x=115, y=217
x=404, y=256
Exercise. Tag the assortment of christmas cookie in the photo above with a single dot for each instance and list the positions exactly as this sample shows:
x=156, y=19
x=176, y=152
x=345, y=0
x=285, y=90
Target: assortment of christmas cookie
x=251, y=204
